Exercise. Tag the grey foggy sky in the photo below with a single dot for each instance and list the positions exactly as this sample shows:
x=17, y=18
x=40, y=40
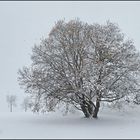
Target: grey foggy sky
x=22, y=24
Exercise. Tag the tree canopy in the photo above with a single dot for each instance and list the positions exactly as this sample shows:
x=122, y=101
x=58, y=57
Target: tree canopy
x=82, y=64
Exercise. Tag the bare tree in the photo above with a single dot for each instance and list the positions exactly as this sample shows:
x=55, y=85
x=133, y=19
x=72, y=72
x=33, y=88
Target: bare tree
x=82, y=65
x=26, y=104
x=11, y=100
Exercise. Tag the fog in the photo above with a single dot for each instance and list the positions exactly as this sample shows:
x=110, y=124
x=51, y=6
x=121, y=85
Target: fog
x=23, y=24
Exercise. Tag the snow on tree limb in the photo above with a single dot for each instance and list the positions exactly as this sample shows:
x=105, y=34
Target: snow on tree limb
x=82, y=65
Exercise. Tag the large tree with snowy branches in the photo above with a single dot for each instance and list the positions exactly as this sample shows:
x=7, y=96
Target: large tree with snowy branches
x=82, y=64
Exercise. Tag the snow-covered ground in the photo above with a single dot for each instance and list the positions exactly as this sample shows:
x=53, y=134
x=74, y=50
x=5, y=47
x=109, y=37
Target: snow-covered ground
x=110, y=124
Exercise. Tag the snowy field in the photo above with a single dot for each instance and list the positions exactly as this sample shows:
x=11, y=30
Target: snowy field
x=110, y=124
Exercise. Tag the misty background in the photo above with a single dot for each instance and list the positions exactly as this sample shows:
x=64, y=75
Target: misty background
x=23, y=24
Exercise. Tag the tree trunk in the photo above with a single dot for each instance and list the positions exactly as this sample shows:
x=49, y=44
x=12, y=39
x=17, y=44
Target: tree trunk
x=85, y=111
x=11, y=108
x=90, y=110
x=96, y=110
